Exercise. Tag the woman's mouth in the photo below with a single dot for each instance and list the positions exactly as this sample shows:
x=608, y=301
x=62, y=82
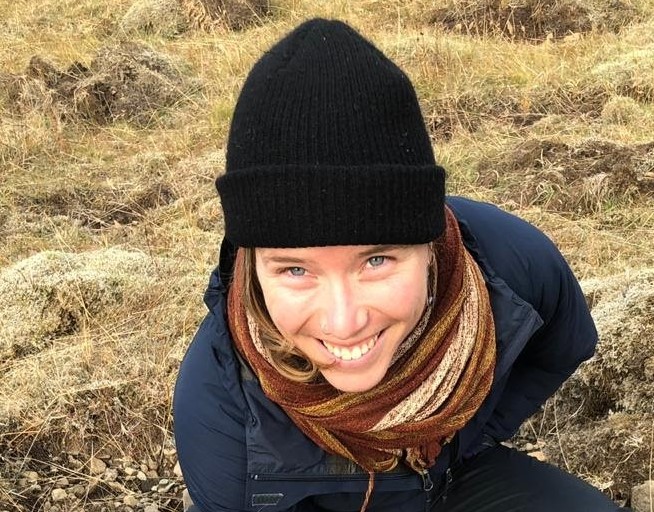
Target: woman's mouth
x=353, y=352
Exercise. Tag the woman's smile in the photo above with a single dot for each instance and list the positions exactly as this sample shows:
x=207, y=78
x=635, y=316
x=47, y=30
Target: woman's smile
x=352, y=352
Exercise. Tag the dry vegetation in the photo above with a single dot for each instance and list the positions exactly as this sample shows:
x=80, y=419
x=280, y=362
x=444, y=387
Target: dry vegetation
x=113, y=119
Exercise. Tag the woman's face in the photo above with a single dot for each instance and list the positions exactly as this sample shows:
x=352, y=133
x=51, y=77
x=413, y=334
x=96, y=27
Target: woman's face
x=347, y=308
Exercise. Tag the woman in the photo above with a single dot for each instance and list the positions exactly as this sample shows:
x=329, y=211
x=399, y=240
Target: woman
x=369, y=342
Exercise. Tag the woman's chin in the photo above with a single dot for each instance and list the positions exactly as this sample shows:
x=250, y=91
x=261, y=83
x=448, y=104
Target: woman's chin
x=352, y=382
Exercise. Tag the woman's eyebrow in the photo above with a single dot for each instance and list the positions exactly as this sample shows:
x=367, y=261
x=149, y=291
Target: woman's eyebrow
x=379, y=249
x=283, y=259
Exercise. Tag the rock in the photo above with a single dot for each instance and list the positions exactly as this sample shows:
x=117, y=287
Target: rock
x=641, y=497
x=129, y=471
x=151, y=508
x=178, y=470
x=130, y=500
x=78, y=490
x=141, y=476
x=97, y=466
x=59, y=495
x=75, y=463
x=111, y=475
x=187, y=502
x=62, y=482
x=538, y=455
x=31, y=476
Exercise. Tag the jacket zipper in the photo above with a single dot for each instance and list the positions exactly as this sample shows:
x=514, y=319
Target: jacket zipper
x=427, y=486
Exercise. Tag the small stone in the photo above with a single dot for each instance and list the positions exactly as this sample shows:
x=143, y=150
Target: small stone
x=111, y=475
x=178, y=470
x=144, y=467
x=75, y=463
x=152, y=474
x=529, y=447
x=78, y=490
x=141, y=476
x=538, y=455
x=151, y=508
x=129, y=471
x=641, y=497
x=170, y=452
x=164, y=481
x=32, y=476
x=187, y=502
x=130, y=500
x=59, y=495
x=97, y=466
x=62, y=482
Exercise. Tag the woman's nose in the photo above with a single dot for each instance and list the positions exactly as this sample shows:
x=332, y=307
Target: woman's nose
x=343, y=313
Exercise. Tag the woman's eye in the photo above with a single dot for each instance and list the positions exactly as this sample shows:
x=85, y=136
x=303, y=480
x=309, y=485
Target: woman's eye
x=376, y=261
x=296, y=271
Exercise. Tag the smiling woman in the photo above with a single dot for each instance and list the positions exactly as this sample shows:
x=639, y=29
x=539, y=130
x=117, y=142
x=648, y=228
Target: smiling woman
x=369, y=342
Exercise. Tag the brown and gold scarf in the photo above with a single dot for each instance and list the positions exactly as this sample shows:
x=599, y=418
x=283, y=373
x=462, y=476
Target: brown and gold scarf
x=431, y=390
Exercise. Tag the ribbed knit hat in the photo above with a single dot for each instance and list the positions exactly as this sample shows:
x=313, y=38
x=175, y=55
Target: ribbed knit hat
x=327, y=146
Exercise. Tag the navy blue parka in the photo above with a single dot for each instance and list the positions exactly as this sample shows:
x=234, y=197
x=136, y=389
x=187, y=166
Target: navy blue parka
x=240, y=452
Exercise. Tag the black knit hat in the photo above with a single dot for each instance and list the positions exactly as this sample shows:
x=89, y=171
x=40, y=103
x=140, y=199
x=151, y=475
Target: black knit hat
x=328, y=147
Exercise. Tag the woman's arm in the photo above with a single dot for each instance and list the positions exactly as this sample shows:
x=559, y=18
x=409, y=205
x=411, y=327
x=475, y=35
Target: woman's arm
x=210, y=414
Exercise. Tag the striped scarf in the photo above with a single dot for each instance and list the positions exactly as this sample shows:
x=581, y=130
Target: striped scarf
x=442, y=375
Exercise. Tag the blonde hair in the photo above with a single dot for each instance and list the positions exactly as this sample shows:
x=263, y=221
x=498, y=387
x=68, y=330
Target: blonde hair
x=283, y=355
x=287, y=359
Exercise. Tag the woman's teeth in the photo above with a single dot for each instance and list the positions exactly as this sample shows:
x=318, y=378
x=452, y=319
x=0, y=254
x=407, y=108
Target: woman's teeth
x=352, y=353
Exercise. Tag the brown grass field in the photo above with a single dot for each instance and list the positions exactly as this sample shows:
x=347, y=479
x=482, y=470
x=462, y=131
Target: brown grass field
x=113, y=120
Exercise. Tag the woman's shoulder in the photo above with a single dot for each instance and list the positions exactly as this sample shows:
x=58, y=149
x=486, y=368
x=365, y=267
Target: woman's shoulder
x=517, y=252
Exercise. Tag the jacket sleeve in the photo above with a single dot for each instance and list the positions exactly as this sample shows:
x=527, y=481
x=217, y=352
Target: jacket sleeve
x=533, y=267
x=566, y=338
x=210, y=424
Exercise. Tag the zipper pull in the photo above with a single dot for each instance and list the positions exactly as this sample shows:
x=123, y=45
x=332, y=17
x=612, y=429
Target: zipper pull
x=448, y=481
x=427, y=484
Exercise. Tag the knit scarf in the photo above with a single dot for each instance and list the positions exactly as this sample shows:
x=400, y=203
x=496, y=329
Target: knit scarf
x=430, y=391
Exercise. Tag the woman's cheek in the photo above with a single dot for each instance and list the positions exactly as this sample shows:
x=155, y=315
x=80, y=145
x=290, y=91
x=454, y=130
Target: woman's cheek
x=287, y=309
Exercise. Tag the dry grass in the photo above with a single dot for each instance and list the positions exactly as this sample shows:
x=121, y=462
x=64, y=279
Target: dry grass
x=553, y=127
